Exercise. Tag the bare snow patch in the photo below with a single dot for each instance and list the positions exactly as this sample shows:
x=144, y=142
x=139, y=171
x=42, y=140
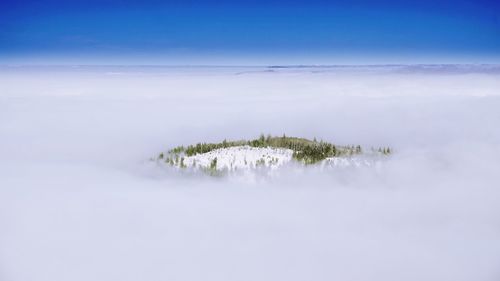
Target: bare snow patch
x=241, y=157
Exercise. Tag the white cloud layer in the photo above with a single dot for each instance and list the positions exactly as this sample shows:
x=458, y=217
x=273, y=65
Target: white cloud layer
x=79, y=201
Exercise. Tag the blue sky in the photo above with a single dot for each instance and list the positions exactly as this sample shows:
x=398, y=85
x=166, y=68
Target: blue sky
x=249, y=32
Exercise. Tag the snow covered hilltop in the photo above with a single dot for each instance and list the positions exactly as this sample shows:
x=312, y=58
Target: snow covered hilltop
x=270, y=152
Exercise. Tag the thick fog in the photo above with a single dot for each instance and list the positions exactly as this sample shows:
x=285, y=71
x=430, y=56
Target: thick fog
x=79, y=199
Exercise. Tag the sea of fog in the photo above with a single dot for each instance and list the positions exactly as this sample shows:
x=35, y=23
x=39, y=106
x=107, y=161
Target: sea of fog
x=79, y=199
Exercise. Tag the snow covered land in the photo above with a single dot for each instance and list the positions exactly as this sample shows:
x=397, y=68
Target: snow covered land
x=247, y=158
x=240, y=157
x=81, y=200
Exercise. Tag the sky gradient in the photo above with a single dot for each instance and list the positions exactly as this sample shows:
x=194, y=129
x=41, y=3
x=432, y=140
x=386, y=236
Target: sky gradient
x=249, y=32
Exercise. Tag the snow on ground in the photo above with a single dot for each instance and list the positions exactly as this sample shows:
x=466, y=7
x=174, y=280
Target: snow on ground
x=239, y=158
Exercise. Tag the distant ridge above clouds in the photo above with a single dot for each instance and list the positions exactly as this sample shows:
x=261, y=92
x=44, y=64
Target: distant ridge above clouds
x=404, y=68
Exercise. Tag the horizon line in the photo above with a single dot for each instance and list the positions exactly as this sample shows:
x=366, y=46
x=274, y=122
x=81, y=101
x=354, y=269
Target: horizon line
x=250, y=65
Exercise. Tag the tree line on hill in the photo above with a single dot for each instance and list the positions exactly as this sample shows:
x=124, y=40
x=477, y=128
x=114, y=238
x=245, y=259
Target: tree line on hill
x=304, y=150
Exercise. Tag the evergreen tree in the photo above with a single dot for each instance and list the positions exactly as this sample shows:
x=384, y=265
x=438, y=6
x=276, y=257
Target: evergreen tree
x=213, y=164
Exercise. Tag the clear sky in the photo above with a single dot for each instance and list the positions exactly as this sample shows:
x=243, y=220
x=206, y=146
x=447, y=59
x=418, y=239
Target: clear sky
x=249, y=32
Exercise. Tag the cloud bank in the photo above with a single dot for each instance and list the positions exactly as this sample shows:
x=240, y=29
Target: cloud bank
x=80, y=201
